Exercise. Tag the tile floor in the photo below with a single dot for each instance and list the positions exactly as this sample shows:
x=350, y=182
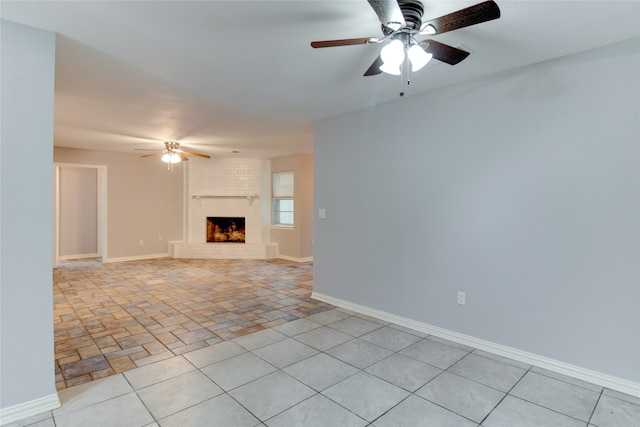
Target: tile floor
x=331, y=367
x=110, y=318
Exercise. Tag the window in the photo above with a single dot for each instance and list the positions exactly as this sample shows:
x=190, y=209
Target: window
x=282, y=199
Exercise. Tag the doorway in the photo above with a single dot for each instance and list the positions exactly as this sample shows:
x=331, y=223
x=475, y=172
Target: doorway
x=79, y=212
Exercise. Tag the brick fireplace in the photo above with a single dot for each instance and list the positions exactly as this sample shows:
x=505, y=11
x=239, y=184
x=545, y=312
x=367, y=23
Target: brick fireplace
x=227, y=188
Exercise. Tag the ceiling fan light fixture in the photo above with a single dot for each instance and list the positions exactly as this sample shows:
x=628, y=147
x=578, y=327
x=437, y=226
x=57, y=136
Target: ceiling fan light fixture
x=392, y=69
x=392, y=56
x=418, y=57
x=393, y=53
x=171, y=158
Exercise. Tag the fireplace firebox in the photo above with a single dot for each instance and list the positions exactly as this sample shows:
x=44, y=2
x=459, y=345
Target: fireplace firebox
x=222, y=229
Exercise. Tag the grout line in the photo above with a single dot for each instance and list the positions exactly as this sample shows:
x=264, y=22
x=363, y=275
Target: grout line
x=594, y=408
x=508, y=393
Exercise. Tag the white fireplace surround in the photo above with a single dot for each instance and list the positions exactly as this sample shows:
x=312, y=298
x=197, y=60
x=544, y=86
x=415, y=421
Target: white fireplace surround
x=206, y=250
x=226, y=188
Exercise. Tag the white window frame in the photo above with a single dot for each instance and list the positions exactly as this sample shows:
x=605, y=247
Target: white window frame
x=280, y=193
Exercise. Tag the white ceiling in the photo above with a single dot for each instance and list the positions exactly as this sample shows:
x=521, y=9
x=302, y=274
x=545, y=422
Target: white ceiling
x=240, y=75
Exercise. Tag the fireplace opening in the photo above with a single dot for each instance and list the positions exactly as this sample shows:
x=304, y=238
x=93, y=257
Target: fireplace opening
x=225, y=229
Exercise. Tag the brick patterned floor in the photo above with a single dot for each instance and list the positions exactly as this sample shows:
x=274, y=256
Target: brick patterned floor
x=109, y=318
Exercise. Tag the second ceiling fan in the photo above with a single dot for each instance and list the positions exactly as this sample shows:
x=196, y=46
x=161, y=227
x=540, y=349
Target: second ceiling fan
x=172, y=153
x=402, y=21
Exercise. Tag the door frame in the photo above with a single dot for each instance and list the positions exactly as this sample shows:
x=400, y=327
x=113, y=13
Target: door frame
x=101, y=209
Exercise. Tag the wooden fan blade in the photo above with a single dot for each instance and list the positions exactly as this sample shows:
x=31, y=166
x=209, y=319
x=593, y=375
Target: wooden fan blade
x=389, y=13
x=182, y=157
x=153, y=154
x=443, y=52
x=481, y=12
x=341, y=42
x=197, y=154
x=374, y=69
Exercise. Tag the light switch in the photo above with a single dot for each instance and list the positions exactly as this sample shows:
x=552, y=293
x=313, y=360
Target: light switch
x=322, y=213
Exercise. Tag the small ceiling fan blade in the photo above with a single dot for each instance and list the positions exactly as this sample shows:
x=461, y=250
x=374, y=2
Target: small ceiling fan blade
x=443, y=52
x=153, y=154
x=197, y=154
x=476, y=14
x=340, y=42
x=182, y=157
x=389, y=13
x=374, y=69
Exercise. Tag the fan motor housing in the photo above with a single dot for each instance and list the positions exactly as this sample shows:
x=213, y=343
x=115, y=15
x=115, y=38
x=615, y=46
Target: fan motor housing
x=412, y=11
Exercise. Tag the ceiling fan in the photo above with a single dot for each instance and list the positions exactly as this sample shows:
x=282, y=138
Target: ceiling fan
x=172, y=153
x=402, y=21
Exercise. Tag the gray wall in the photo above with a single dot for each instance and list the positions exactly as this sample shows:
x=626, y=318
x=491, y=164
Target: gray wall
x=521, y=190
x=26, y=186
x=144, y=201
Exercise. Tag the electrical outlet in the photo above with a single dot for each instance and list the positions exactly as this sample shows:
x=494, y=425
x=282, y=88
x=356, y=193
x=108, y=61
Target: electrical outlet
x=141, y=242
x=462, y=298
x=159, y=238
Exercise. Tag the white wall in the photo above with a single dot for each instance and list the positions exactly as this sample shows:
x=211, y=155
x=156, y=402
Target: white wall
x=521, y=190
x=144, y=201
x=78, y=201
x=27, y=379
x=295, y=242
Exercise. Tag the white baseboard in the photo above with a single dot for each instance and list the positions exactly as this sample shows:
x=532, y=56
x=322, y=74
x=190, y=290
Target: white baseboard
x=137, y=258
x=21, y=411
x=78, y=256
x=594, y=377
x=294, y=259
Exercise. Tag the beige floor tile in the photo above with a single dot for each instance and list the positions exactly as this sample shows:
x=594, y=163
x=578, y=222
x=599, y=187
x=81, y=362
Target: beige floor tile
x=110, y=318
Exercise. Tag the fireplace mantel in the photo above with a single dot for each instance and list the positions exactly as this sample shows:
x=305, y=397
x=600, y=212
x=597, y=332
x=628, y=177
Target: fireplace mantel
x=250, y=197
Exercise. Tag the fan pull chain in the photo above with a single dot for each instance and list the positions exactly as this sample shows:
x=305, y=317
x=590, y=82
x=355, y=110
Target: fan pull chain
x=404, y=69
